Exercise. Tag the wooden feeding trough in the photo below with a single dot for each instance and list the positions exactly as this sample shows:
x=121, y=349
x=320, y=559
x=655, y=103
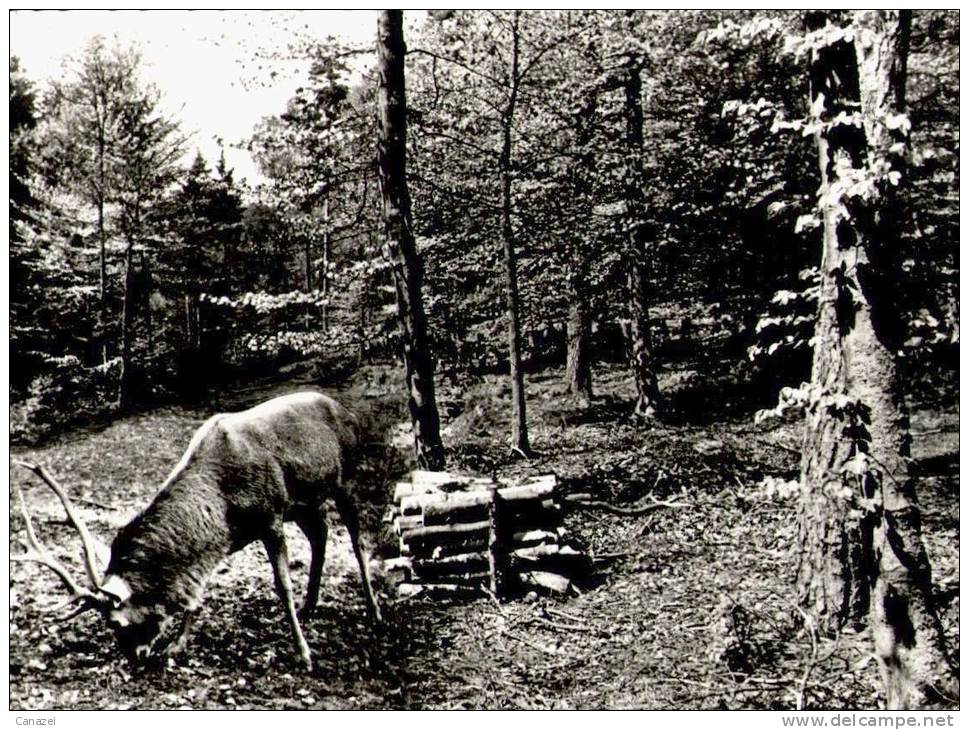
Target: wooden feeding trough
x=461, y=536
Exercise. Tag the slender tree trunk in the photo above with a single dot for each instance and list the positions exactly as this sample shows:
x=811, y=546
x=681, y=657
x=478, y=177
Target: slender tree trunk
x=647, y=390
x=862, y=554
x=127, y=318
x=401, y=249
x=325, y=274
x=100, y=186
x=519, y=429
x=308, y=279
x=578, y=359
x=226, y=266
x=102, y=280
x=149, y=332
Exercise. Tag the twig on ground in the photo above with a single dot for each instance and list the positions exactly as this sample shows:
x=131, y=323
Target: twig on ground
x=534, y=644
x=559, y=626
x=562, y=614
x=932, y=432
x=494, y=599
x=616, y=510
x=93, y=503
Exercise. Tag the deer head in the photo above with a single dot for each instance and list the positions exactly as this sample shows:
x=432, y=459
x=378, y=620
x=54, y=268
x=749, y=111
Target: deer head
x=140, y=622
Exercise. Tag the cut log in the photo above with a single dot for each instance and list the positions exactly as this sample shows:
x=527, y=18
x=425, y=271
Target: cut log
x=422, y=540
x=552, y=582
x=398, y=564
x=442, y=502
x=562, y=559
x=533, y=513
x=422, y=477
x=540, y=551
x=410, y=522
x=441, y=533
x=438, y=590
x=530, y=538
x=544, y=480
x=460, y=563
x=406, y=489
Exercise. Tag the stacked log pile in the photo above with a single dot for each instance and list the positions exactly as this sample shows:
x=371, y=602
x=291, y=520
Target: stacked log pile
x=463, y=536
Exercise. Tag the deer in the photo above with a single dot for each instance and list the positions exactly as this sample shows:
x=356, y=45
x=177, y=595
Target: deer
x=243, y=475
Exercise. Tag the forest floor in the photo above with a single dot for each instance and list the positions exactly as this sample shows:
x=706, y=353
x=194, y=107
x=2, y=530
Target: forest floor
x=695, y=609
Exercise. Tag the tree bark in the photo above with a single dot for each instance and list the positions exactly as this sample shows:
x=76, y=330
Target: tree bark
x=400, y=245
x=325, y=273
x=102, y=281
x=519, y=428
x=862, y=554
x=307, y=280
x=640, y=349
x=127, y=317
x=578, y=358
x=149, y=324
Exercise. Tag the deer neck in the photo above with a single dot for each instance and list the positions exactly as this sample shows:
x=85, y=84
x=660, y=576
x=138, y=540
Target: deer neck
x=173, y=547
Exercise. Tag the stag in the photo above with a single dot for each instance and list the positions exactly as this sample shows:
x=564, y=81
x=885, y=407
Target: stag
x=242, y=476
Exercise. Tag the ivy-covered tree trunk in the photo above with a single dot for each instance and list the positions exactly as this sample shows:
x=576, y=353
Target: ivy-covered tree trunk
x=640, y=349
x=861, y=550
x=401, y=248
x=519, y=429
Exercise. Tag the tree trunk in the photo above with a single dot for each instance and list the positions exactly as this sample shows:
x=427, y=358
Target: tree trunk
x=99, y=193
x=325, y=274
x=578, y=358
x=127, y=317
x=519, y=429
x=400, y=245
x=640, y=350
x=102, y=281
x=307, y=280
x=862, y=554
x=149, y=332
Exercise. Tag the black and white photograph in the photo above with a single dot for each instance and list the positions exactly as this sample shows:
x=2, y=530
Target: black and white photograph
x=485, y=360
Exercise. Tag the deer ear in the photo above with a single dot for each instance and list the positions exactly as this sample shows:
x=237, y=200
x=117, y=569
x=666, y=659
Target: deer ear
x=116, y=587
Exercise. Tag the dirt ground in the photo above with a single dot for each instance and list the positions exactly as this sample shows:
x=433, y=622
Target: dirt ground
x=692, y=607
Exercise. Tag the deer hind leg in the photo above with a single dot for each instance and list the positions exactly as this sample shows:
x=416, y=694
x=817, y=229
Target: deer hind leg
x=348, y=513
x=275, y=543
x=313, y=524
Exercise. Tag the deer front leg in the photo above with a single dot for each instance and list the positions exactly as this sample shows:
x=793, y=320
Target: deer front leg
x=313, y=525
x=178, y=644
x=275, y=544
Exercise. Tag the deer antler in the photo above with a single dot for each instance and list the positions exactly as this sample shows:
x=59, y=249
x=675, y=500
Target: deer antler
x=90, y=562
x=37, y=553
